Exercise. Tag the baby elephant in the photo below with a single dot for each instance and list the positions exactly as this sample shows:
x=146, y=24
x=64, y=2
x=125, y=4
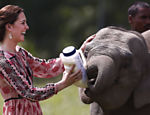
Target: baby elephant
x=118, y=70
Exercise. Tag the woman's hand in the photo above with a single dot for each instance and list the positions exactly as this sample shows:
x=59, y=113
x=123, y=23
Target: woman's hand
x=68, y=79
x=89, y=39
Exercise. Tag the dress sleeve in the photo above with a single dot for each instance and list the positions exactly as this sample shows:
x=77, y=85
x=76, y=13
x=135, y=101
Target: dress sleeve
x=42, y=68
x=21, y=85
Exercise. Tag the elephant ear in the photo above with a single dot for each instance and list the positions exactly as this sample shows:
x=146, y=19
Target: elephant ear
x=142, y=92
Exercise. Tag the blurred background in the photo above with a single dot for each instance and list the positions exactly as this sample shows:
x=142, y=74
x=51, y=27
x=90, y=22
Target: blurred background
x=55, y=24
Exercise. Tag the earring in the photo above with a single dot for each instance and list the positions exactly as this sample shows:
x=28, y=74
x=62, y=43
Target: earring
x=10, y=36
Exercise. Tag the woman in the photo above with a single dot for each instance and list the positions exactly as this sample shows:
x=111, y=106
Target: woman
x=18, y=66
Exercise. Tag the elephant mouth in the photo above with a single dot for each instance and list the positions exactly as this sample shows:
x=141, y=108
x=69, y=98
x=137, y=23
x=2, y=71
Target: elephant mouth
x=92, y=73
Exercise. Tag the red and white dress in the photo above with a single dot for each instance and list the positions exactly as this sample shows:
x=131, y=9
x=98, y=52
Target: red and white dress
x=16, y=84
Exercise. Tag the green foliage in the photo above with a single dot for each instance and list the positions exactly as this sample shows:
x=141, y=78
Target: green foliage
x=29, y=45
x=56, y=24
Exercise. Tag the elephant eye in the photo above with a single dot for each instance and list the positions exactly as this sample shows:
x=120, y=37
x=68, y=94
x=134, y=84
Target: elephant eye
x=85, y=53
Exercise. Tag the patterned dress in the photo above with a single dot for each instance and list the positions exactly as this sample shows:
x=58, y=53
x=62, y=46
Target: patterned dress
x=16, y=86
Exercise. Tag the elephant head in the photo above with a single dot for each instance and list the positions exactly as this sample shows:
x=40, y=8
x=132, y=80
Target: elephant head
x=117, y=67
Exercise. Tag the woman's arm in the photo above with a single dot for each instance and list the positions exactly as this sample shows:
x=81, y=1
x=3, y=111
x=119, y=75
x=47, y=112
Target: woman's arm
x=44, y=68
x=68, y=79
x=21, y=85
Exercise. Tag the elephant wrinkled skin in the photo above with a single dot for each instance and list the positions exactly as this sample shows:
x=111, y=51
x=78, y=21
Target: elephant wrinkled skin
x=118, y=75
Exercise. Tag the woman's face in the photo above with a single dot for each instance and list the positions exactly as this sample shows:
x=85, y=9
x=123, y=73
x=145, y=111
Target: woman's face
x=19, y=28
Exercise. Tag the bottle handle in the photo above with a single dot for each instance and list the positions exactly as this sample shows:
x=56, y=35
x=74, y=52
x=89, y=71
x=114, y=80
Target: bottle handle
x=82, y=57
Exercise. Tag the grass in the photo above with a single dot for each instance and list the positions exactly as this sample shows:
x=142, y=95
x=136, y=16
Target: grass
x=66, y=102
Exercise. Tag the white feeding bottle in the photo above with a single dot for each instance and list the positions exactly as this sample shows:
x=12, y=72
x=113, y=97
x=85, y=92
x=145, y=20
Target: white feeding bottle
x=70, y=56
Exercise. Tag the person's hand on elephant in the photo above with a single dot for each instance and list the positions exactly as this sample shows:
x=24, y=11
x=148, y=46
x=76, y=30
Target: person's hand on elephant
x=89, y=39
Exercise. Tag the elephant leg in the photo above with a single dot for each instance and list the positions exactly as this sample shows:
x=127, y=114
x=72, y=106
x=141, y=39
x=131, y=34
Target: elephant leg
x=95, y=109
